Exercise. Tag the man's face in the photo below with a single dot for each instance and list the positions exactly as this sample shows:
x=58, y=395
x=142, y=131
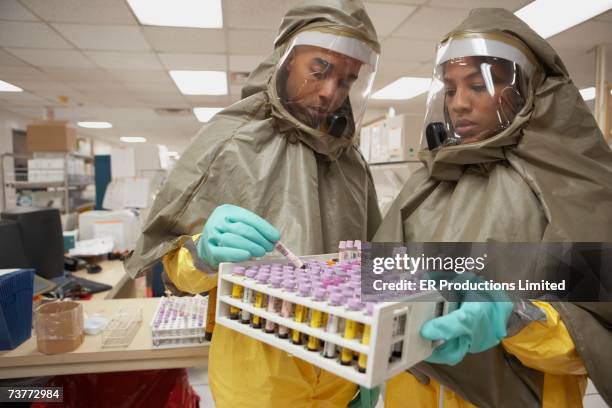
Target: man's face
x=318, y=83
x=478, y=108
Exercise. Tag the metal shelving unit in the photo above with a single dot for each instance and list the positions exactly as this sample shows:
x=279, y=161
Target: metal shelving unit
x=14, y=174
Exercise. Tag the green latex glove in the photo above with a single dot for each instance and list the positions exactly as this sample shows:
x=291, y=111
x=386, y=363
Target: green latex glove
x=367, y=398
x=233, y=234
x=474, y=327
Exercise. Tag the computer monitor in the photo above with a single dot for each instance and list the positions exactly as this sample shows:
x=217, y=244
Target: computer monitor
x=41, y=238
x=12, y=253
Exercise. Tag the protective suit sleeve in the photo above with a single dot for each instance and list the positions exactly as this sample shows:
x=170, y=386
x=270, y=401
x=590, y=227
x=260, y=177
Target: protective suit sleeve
x=546, y=345
x=187, y=271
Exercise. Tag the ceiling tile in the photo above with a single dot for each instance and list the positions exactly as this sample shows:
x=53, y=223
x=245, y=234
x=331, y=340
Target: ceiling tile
x=387, y=17
x=429, y=23
x=185, y=40
x=29, y=113
x=30, y=35
x=99, y=37
x=40, y=86
x=79, y=74
x=396, y=69
x=79, y=11
x=124, y=60
x=8, y=73
x=136, y=75
x=52, y=58
x=411, y=2
x=12, y=10
x=203, y=100
x=256, y=14
x=22, y=98
x=9, y=60
x=150, y=87
x=93, y=86
x=162, y=99
x=583, y=36
x=251, y=42
x=404, y=49
x=245, y=63
x=512, y=5
x=206, y=62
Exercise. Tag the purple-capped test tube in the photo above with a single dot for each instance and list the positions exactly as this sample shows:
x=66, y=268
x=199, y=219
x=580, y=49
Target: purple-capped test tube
x=239, y=270
x=305, y=289
x=319, y=294
x=334, y=324
x=287, y=308
x=274, y=304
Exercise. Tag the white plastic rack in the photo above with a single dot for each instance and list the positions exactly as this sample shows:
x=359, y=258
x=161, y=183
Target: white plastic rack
x=179, y=322
x=394, y=326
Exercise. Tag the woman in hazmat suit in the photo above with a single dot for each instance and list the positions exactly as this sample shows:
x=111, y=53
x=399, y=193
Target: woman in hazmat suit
x=513, y=155
x=279, y=163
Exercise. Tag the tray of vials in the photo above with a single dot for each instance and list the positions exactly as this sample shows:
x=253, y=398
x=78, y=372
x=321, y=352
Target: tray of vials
x=179, y=322
x=315, y=313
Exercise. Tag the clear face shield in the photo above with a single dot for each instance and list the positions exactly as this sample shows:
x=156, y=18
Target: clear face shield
x=479, y=86
x=324, y=81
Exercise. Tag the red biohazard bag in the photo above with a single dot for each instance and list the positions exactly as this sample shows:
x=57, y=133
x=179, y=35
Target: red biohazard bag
x=134, y=389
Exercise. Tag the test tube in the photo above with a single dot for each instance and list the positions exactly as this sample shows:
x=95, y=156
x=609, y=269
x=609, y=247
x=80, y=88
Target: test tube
x=362, y=362
x=287, y=308
x=351, y=328
x=248, y=296
x=260, y=301
x=357, y=246
x=274, y=305
x=316, y=320
x=291, y=257
x=236, y=293
x=333, y=325
x=342, y=251
x=350, y=252
x=301, y=314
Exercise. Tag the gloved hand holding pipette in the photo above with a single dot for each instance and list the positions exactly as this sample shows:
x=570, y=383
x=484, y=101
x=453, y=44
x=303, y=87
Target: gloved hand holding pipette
x=234, y=234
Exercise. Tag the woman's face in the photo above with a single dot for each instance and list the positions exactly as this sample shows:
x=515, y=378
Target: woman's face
x=480, y=98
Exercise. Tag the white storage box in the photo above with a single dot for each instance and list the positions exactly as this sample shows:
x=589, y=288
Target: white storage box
x=394, y=343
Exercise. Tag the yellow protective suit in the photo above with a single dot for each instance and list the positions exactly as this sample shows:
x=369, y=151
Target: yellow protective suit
x=544, y=346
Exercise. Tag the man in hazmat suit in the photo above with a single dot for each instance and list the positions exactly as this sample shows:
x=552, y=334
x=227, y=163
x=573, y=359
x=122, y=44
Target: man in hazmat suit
x=513, y=155
x=280, y=163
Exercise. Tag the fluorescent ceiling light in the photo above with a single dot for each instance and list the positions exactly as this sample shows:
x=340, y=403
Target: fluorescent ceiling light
x=550, y=17
x=403, y=88
x=95, y=125
x=588, y=93
x=200, y=82
x=205, y=114
x=179, y=13
x=6, y=87
x=132, y=139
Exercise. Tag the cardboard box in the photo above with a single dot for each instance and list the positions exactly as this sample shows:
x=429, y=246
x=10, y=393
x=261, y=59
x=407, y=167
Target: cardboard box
x=50, y=136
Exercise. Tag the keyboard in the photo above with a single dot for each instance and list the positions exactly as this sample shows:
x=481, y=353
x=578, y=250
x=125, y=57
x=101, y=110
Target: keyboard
x=68, y=282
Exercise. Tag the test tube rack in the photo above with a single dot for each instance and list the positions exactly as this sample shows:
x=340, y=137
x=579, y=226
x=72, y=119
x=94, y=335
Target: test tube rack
x=122, y=328
x=383, y=320
x=179, y=322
